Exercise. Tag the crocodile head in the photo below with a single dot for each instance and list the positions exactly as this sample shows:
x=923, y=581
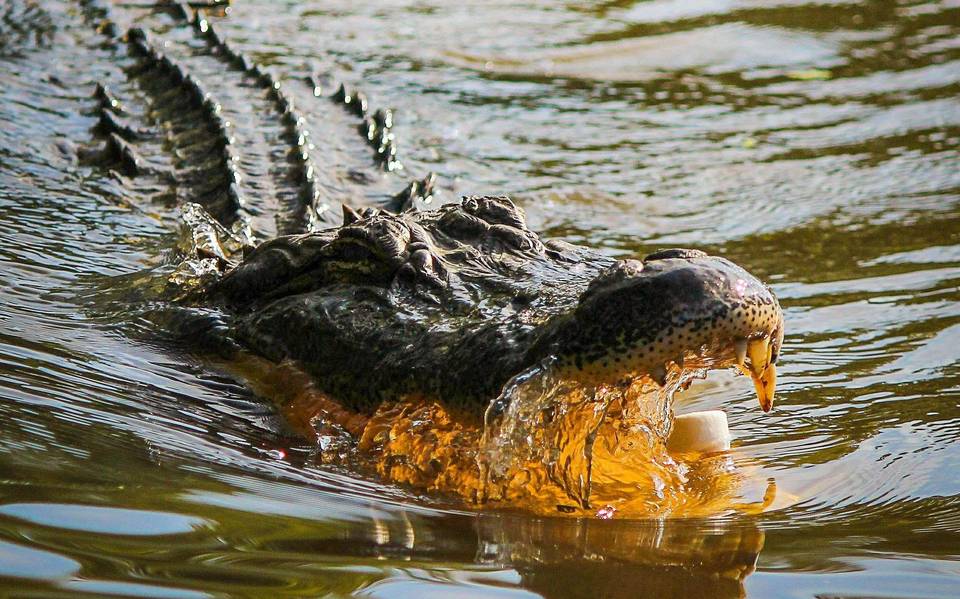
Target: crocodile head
x=455, y=302
x=676, y=306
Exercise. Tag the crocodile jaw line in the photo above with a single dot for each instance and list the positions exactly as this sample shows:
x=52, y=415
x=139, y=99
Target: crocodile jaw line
x=761, y=368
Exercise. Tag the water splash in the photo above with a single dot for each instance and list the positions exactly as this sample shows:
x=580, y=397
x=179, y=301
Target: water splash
x=546, y=429
x=546, y=444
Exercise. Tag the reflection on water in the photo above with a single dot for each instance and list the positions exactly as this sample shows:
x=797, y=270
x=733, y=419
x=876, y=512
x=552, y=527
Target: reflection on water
x=816, y=143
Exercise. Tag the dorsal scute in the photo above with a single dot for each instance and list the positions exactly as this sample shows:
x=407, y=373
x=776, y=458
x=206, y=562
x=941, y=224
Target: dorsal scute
x=481, y=238
x=495, y=210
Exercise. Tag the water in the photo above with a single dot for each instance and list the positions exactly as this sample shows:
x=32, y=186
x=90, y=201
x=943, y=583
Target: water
x=816, y=143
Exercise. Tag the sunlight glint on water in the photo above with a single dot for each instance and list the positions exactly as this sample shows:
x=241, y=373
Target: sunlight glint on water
x=814, y=143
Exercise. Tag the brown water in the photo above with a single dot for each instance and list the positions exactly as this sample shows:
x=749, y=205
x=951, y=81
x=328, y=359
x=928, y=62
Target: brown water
x=815, y=143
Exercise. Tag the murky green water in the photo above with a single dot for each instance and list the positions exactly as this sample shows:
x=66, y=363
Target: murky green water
x=816, y=143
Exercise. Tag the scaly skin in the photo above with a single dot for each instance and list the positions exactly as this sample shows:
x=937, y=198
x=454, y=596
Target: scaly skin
x=425, y=318
x=453, y=303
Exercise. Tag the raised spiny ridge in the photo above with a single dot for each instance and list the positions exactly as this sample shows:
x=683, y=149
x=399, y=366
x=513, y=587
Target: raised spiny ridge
x=179, y=10
x=417, y=190
x=222, y=198
x=375, y=128
x=116, y=152
x=106, y=100
x=124, y=154
x=110, y=123
x=295, y=132
x=205, y=162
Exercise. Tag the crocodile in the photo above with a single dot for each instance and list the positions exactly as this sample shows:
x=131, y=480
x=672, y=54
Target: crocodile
x=419, y=329
x=446, y=312
x=455, y=302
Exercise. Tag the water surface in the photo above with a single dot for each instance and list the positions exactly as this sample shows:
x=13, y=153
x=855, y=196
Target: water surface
x=815, y=143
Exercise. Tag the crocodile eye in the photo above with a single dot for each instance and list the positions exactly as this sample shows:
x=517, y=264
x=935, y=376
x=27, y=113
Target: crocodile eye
x=682, y=253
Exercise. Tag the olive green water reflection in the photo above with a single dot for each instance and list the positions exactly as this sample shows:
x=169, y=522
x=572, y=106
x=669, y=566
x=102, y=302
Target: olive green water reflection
x=816, y=143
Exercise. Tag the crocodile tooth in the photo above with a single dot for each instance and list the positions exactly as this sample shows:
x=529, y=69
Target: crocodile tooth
x=740, y=347
x=759, y=352
x=766, y=386
x=762, y=371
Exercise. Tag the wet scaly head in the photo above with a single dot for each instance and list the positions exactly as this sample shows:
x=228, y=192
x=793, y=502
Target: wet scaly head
x=675, y=308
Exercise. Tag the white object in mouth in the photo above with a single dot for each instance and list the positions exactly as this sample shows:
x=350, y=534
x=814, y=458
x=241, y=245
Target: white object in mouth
x=699, y=432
